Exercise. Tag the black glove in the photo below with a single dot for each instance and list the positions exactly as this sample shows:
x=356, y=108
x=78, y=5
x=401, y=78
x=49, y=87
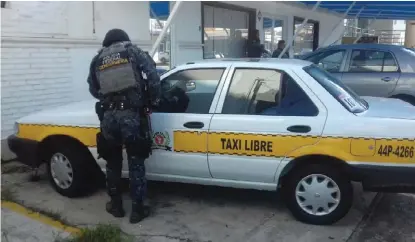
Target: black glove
x=181, y=100
x=173, y=101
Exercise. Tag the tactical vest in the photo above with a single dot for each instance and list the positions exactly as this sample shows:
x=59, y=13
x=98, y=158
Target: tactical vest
x=115, y=71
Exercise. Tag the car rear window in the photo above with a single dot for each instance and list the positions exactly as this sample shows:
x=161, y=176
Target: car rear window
x=342, y=93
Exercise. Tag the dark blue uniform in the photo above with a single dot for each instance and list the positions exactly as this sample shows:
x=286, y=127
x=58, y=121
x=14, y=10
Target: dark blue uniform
x=123, y=127
x=115, y=79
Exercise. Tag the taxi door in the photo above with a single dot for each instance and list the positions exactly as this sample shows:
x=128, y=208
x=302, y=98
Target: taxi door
x=262, y=115
x=180, y=139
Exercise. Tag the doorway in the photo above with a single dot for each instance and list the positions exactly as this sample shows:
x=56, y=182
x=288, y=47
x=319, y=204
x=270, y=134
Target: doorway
x=274, y=31
x=307, y=39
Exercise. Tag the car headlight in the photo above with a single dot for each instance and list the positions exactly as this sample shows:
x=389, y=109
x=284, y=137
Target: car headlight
x=16, y=128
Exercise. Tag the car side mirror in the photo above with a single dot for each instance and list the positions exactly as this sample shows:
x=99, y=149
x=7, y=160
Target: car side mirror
x=190, y=86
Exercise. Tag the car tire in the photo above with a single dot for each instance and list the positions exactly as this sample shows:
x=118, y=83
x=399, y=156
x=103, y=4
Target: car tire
x=71, y=162
x=298, y=204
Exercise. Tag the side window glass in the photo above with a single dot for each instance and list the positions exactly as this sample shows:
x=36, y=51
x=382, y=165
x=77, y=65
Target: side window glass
x=372, y=61
x=198, y=84
x=330, y=60
x=389, y=63
x=266, y=92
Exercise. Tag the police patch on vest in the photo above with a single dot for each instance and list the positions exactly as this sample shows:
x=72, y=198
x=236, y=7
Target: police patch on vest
x=161, y=140
x=115, y=70
x=112, y=60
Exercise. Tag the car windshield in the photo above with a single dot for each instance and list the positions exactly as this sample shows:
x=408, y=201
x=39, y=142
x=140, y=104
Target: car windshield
x=342, y=93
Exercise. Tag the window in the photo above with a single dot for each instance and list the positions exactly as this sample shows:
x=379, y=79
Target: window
x=199, y=84
x=328, y=60
x=389, y=64
x=343, y=94
x=273, y=30
x=225, y=30
x=372, y=61
x=266, y=92
x=307, y=39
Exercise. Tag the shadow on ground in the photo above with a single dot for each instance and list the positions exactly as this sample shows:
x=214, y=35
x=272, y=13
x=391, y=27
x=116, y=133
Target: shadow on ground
x=392, y=220
x=183, y=212
x=159, y=194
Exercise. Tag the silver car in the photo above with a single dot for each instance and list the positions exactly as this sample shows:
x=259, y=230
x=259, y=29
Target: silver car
x=371, y=69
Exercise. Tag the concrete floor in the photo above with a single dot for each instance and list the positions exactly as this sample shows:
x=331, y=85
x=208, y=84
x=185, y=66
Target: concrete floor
x=393, y=220
x=19, y=228
x=193, y=213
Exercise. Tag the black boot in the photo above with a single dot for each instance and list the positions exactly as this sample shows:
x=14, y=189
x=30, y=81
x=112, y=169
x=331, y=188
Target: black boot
x=115, y=208
x=138, y=212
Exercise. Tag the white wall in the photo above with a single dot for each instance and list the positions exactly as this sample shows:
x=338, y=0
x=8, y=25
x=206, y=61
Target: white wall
x=399, y=25
x=47, y=47
x=34, y=19
x=388, y=25
x=186, y=35
x=133, y=17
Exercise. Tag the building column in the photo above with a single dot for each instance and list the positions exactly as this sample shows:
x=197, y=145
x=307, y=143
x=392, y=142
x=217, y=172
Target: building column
x=410, y=34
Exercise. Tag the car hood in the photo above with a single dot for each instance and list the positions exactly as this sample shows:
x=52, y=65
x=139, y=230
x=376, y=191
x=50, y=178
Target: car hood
x=389, y=108
x=80, y=113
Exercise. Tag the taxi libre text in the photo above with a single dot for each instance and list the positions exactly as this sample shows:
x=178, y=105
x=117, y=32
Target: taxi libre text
x=246, y=145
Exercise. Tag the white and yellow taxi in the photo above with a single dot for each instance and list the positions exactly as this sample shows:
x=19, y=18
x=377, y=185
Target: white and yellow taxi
x=254, y=124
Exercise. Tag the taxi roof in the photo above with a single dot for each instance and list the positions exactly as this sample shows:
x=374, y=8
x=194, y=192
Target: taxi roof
x=266, y=62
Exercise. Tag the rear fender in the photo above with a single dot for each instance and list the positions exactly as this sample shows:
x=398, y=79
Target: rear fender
x=334, y=148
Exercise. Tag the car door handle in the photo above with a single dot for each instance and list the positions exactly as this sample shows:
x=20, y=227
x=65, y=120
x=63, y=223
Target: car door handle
x=386, y=79
x=299, y=128
x=194, y=125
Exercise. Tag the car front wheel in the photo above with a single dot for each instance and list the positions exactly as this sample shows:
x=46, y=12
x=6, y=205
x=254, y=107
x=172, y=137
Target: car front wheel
x=68, y=169
x=318, y=194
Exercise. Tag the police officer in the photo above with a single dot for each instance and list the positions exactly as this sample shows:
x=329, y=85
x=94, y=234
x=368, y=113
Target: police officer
x=125, y=97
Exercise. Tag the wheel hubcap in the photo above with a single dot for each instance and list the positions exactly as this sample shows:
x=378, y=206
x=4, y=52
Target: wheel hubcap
x=317, y=194
x=61, y=170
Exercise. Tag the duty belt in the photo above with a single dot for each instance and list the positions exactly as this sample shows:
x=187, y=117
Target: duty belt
x=119, y=105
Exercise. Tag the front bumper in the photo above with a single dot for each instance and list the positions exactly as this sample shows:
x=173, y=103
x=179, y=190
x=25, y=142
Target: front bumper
x=26, y=150
x=396, y=179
